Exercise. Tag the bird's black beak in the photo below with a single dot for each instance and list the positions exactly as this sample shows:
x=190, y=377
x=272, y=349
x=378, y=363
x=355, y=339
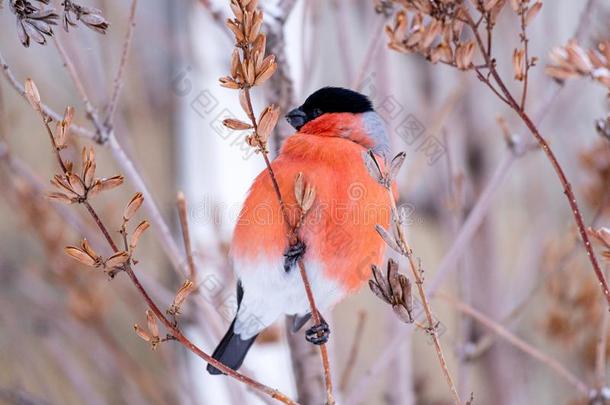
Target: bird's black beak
x=297, y=118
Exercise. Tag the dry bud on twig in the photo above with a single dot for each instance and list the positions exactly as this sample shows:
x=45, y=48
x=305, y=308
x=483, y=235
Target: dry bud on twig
x=85, y=254
x=394, y=289
x=305, y=194
x=132, y=207
x=185, y=290
x=137, y=233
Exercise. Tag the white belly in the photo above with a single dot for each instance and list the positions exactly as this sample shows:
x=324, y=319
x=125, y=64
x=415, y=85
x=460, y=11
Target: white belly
x=270, y=292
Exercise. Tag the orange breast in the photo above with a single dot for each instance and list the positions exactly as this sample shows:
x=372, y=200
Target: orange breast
x=339, y=231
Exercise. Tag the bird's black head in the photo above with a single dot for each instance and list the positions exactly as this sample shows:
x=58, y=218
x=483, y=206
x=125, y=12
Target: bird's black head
x=328, y=100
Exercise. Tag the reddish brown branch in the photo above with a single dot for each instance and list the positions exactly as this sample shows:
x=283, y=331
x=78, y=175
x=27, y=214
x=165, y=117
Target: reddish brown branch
x=567, y=187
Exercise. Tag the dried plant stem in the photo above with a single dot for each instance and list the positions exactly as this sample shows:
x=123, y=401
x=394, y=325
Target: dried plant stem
x=600, y=353
x=419, y=281
x=171, y=326
x=118, y=80
x=518, y=343
x=330, y=400
x=525, y=41
x=186, y=236
x=107, y=136
x=353, y=353
x=483, y=203
x=10, y=77
x=292, y=238
x=567, y=187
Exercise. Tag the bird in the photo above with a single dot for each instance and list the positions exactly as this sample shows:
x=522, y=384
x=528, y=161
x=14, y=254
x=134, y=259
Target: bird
x=337, y=242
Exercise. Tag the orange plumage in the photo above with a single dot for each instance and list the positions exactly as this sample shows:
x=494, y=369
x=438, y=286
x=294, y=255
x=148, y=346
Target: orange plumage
x=336, y=127
x=340, y=228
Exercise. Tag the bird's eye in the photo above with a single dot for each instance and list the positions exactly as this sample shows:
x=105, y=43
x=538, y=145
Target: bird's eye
x=316, y=113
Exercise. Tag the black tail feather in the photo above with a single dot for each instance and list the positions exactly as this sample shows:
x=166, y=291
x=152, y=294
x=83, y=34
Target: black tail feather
x=232, y=349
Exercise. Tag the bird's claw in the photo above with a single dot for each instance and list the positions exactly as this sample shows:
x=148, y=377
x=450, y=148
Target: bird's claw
x=293, y=254
x=318, y=334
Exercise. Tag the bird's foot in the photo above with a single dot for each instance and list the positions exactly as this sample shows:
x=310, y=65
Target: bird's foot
x=318, y=334
x=293, y=254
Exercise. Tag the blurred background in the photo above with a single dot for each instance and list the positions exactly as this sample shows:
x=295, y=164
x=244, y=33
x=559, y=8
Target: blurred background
x=66, y=331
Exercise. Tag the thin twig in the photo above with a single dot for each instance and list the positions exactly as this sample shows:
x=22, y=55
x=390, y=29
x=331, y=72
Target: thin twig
x=415, y=271
x=518, y=343
x=10, y=77
x=600, y=352
x=171, y=327
x=108, y=136
x=567, y=187
x=118, y=79
x=353, y=353
x=186, y=236
x=527, y=62
x=291, y=232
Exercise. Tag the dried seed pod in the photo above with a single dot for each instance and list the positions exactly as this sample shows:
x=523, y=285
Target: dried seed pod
x=62, y=184
x=373, y=167
x=88, y=249
x=518, y=64
x=559, y=72
x=579, y=58
x=183, y=292
x=532, y=12
x=235, y=63
x=151, y=319
x=117, y=260
x=32, y=94
x=89, y=174
x=308, y=198
x=60, y=197
x=402, y=313
x=374, y=287
x=407, y=293
x=80, y=256
x=243, y=102
x=229, y=83
x=381, y=283
x=267, y=69
x=256, y=26
x=63, y=126
x=396, y=164
x=259, y=45
x=236, y=124
x=107, y=183
x=464, y=55
x=490, y=4
x=236, y=30
x=392, y=277
x=132, y=207
x=299, y=188
x=432, y=31
x=76, y=184
x=142, y=333
x=137, y=233
x=237, y=12
x=388, y=239
x=267, y=121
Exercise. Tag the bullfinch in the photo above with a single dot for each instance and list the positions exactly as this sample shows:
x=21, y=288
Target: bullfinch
x=337, y=241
